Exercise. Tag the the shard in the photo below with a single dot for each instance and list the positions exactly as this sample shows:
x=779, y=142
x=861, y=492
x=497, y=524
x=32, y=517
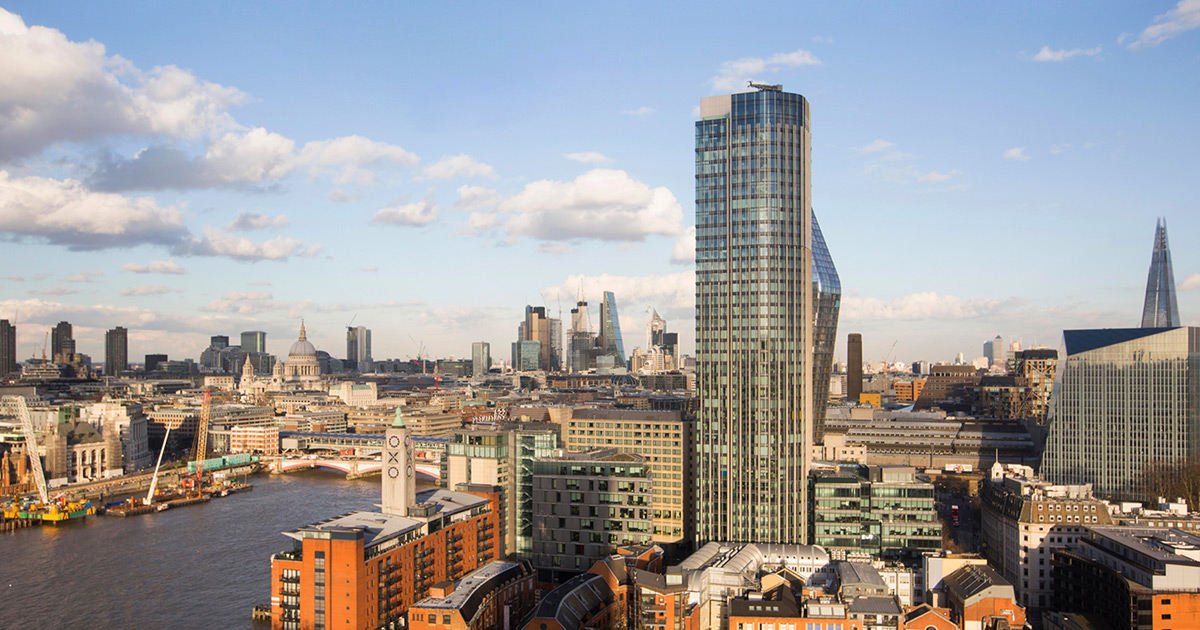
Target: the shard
x=1160, y=309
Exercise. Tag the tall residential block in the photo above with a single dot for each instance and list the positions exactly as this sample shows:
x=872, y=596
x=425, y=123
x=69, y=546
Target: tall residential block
x=116, y=351
x=62, y=343
x=1127, y=399
x=481, y=359
x=8, y=348
x=254, y=341
x=754, y=317
x=1160, y=309
x=854, y=367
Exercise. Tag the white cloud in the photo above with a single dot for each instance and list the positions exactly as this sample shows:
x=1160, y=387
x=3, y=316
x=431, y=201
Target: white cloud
x=822, y=40
x=480, y=222
x=149, y=289
x=644, y=110
x=476, y=198
x=1184, y=17
x=84, y=276
x=457, y=166
x=733, y=75
x=155, y=266
x=55, y=90
x=876, y=146
x=215, y=242
x=933, y=177
x=1059, y=148
x=588, y=157
x=67, y=213
x=673, y=293
x=684, y=251
x=242, y=302
x=54, y=291
x=1017, y=154
x=601, y=204
x=555, y=248
x=337, y=195
x=1048, y=54
x=351, y=158
x=1190, y=283
x=416, y=214
x=246, y=221
x=919, y=306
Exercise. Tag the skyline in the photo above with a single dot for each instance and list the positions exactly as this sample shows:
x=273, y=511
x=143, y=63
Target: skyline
x=596, y=159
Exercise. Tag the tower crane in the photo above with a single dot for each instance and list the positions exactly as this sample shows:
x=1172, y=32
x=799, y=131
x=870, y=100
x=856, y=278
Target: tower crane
x=202, y=434
x=35, y=461
x=888, y=357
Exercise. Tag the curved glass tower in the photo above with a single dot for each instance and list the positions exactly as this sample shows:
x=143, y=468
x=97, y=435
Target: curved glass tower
x=755, y=317
x=827, y=298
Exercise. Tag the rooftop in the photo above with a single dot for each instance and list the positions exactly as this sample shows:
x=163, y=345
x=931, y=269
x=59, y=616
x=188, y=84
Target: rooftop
x=1174, y=546
x=378, y=527
x=471, y=590
x=575, y=600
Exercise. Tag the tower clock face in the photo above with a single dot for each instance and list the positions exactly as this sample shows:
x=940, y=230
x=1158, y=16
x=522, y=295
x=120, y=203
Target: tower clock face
x=393, y=472
x=394, y=441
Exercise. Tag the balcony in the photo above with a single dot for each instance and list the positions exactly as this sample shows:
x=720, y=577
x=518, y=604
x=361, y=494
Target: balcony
x=288, y=555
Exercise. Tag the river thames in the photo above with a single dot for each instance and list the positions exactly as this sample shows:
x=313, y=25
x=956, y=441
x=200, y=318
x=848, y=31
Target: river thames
x=202, y=566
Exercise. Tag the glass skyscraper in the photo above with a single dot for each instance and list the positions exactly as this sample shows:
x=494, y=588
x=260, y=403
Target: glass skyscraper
x=610, y=330
x=1160, y=308
x=1129, y=397
x=755, y=317
x=827, y=298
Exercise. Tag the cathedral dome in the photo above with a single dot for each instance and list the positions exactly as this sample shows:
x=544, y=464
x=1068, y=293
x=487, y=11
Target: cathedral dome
x=303, y=347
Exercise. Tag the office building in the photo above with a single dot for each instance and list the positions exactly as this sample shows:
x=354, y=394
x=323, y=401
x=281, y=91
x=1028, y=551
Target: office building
x=665, y=439
x=502, y=457
x=1131, y=577
x=481, y=359
x=995, y=352
x=1160, y=309
x=358, y=349
x=585, y=505
x=526, y=356
x=1024, y=520
x=854, y=367
x=1038, y=367
x=8, y=348
x=754, y=316
x=881, y=511
x=116, y=351
x=254, y=341
x=363, y=570
x=979, y=597
x=537, y=327
x=154, y=362
x=496, y=595
x=62, y=343
x=218, y=342
x=1126, y=400
x=609, y=341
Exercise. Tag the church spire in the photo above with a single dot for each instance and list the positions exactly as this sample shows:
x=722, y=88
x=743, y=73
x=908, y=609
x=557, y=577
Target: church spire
x=303, y=335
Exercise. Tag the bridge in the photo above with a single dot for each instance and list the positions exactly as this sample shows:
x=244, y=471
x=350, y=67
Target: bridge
x=357, y=444
x=353, y=467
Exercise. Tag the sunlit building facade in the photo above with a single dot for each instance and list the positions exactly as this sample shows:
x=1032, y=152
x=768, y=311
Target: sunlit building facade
x=1129, y=398
x=827, y=300
x=754, y=316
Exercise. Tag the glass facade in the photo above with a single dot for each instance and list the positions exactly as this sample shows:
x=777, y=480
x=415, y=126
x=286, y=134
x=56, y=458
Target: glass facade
x=854, y=514
x=1160, y=309
x=754, y=317
x=610, y=330
x=827, y=298
x=1128, y=398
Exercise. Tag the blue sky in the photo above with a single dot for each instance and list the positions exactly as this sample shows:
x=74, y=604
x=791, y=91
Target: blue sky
x=206, y=169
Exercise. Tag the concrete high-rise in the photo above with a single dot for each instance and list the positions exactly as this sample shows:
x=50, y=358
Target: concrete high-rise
x=1160, y=309
x=1126, y=400
x=116, y=351
x=254, y=341
x=995, y=352
x=8, y=348
x=481, y=358
x=62, y=343
x=854, y=367
x=754, y=317
x=358, y=348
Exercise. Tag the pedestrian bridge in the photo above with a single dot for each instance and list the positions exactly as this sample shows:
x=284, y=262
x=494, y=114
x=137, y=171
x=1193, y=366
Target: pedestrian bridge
x=352, y=467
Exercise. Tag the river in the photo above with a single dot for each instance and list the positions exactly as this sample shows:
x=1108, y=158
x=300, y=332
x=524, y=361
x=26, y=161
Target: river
x=201, y=566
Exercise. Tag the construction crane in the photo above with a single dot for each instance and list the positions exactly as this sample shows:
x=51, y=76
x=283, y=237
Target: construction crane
x=888, y=356
x=154, y=479
x=35, y=461
x=202, y=434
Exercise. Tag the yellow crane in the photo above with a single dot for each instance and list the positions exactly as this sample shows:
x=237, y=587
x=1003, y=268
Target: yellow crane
x=202, y=434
